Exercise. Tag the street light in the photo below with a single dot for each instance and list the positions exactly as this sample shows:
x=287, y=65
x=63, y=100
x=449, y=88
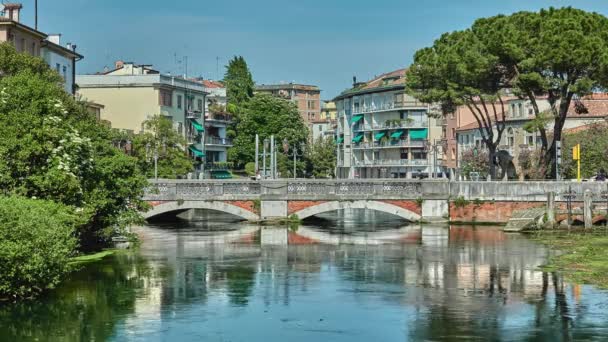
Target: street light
x=433, y=148
x=155, y=156
x=266, y=142
x=295, y=154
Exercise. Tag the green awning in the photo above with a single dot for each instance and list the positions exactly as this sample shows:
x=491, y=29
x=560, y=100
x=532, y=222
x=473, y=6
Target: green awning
x=221, y=174
x=340, y=140
x=419, y=134
x=356, y=119
x=397, y=135
x=358, y=138
x=197, y=126
x=197, y=152
x=380, y=135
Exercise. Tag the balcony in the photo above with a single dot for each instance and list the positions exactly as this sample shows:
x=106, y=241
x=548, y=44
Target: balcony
x=383, y=107
x=193, y=139
x=219, y=118
x=391, y=124
x=390, y=144
x=194, y=114
x=390, y=162
x=218, y=141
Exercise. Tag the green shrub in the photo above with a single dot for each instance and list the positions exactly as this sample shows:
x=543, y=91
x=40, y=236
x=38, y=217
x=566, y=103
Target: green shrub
x=37, y=239
x=250, y=169
x=461, y=202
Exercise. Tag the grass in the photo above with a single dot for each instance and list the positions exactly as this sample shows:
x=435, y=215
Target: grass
x=83, y=259
x=584, y=257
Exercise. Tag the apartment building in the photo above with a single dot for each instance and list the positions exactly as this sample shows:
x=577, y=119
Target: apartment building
x=217, y=121
x=306, y=97
x=384, y=133
x=134, y=93
x=28, y=40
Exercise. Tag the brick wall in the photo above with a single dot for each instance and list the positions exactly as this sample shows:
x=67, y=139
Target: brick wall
x=499, y=212
x=408, y=205
x=295, y=206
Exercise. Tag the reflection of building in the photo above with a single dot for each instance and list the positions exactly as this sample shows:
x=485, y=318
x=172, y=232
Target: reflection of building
x=134, y=93
x=383, y=132
x=306, y=97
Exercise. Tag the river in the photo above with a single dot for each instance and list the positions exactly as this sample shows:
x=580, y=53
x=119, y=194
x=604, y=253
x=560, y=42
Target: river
x=354, y=276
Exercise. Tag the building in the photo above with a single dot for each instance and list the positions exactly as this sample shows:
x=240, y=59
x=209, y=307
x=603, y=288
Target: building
x=519, y=112
x=384, y=133
x=306, y=97
x=33, y=42
x=133, y=94
x=328, y=111
x=217, y=121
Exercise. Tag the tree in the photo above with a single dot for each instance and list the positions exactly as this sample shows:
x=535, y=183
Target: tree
x=474, y=160
x=594, y=151
x=458, y=70
x=322, y=158
x=267, y=115
x=238, y=81
x=52, y=148
x=558, y=53
x=173, y=161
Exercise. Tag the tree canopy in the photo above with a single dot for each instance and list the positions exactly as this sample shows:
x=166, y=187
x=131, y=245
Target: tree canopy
x=238, y=81
x=52, y=148
x=267, y=115
x=322, y=158
x=561, y=54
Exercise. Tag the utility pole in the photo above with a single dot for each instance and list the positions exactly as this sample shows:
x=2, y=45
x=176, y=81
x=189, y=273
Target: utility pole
x=36, y=14
x=257, y=153
x=272, y=160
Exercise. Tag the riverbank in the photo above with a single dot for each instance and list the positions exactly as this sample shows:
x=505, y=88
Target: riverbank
x=584, y=255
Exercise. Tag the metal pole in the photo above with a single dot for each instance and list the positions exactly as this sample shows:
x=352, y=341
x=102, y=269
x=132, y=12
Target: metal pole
x=36, y=14
x=264, y=161
x=276, y=166
x=156, y=163
x=294, y=163
x=435, y=159
x=257, y=153
x=272, y=161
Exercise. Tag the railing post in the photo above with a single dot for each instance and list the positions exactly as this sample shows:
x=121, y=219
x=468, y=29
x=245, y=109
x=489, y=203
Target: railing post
x=588, y=209
x=551, y=209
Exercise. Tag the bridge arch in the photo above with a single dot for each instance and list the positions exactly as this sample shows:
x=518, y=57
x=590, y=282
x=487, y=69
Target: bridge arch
x=209, y=205
x=362, y=204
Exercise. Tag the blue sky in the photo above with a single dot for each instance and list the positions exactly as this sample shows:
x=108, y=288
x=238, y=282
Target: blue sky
x=322, y=42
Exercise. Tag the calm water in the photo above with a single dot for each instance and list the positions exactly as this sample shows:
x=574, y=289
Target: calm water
x=339, y=279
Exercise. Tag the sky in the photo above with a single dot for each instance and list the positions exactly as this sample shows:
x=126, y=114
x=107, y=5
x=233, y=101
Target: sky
x=318, y=42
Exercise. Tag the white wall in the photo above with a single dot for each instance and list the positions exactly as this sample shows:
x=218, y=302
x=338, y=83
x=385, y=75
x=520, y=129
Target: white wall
x=53, y=59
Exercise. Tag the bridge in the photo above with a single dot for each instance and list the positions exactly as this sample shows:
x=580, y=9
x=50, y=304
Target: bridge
x=409, y=199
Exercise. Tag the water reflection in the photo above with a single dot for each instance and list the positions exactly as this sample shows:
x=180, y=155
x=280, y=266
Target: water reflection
x=192, y=282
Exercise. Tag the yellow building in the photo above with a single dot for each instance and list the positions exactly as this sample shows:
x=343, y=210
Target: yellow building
x=132, y=94
x=328, y=111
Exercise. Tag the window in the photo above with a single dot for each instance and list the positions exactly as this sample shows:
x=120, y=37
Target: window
x=453, y=153
x=200, y=105
x=33, y=48
x=22, y=46
x=453, y=133
x=419, y=154
x=179, y=101
x=521, y=109
x=165, y=98
x=320, y=128
x=404, y=154
x=311, y=104
x=530, y=111
x=376, y=155
x=58, y=67
x=530, y=140
x=189, y=102
x=510, y=137
x=65, y=73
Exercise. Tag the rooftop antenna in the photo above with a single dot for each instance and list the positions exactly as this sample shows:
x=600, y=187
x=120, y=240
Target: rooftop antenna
x=217, y=68
x=36, y=15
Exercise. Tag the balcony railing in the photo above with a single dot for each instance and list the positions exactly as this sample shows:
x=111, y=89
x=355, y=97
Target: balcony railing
x=218, y=166
x=224, y=118
x=194, y=114
x=390, y=144
x=387, y=106
x=391, y=162
x=392, y=125
x=218, y=141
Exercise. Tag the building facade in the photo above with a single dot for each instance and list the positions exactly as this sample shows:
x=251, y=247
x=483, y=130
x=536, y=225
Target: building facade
x=217, y=121
x=133, y=94
x=33, y=42
x=384, y=133
x=306, y=97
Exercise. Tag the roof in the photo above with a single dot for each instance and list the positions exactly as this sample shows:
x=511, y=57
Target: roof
x=7, y=21
x=62, y=49
x=390, y=80
x=287, y=86
x=12, y=5
x=596, y=105
x=213, y=84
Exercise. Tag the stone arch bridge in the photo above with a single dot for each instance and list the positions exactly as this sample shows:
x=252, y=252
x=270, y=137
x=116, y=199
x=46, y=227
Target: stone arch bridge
x=408, y=199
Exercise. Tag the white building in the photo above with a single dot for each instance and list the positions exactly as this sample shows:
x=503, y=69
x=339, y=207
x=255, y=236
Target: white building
x=384, y=133
x=61, y=59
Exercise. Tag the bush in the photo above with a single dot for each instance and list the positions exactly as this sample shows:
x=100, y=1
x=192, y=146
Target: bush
x=37, y=239
x=250, y=169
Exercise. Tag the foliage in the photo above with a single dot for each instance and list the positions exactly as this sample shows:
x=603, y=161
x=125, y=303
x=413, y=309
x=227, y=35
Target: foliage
x=474, y=160
x=37, y=239
x=159, y=135
x=250, y=169
x=419, y=202
x=239, y=82
x=558, y=53
x=594, y=151
x=267, y=115
x=458, y=70
x=461, y=202
x=531, y=165
x=52, y=148
x=322, y=158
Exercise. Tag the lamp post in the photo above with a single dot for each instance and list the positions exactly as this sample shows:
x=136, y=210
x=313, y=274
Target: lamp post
x=266, y=142
x=433, y=148
x=154, y=156
x=295, y=154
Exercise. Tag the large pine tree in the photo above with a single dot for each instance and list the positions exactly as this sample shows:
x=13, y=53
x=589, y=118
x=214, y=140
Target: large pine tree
x=238, y=80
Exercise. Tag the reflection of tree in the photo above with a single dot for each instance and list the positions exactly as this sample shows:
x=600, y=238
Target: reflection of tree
x=85, y=308
x=240, y=281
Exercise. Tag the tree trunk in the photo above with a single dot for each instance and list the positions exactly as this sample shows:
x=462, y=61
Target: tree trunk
x=491, y=155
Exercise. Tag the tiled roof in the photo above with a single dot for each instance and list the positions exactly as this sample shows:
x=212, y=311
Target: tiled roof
x=596, y=105
x=388, y=80
x=213, y=84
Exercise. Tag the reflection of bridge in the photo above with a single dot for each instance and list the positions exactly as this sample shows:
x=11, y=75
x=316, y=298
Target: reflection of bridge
x=410, y=200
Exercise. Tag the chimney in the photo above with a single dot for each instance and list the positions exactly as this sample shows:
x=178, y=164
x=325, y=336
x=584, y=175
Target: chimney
x=354, y=81
x=12, y=11
x=68, y=46
x=54, y=38
x=119, y=64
